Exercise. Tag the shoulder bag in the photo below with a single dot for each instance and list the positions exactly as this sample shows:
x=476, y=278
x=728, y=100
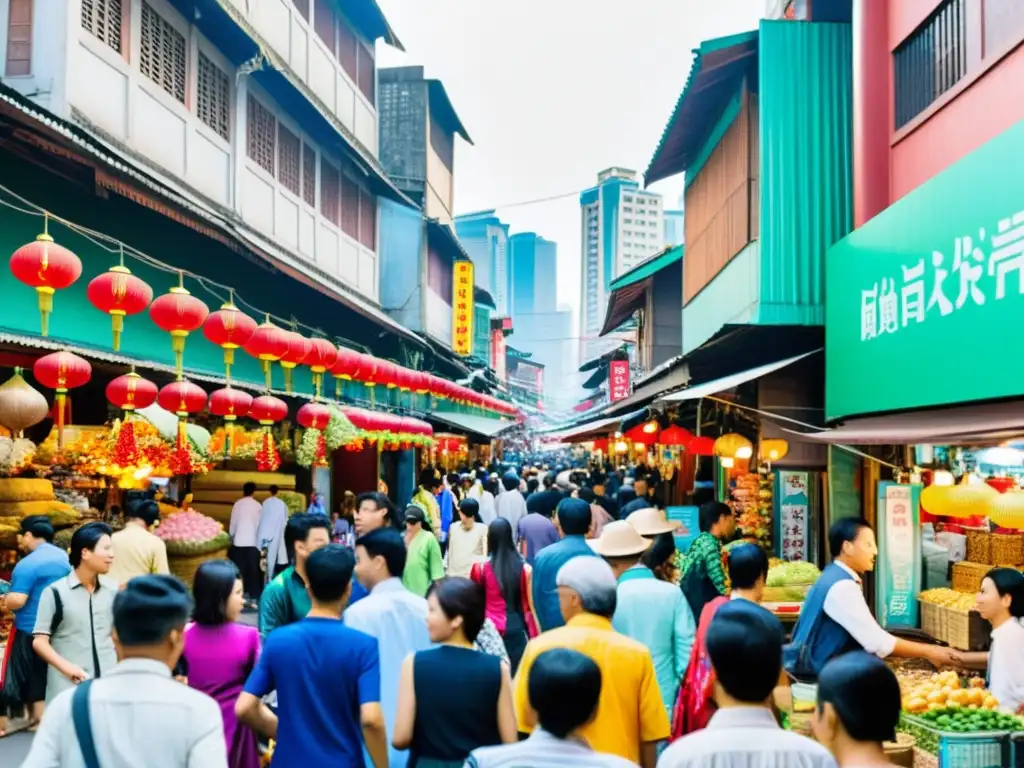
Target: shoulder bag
x=83, y=724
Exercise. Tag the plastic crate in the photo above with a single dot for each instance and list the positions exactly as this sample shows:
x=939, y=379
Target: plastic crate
x=965, y=750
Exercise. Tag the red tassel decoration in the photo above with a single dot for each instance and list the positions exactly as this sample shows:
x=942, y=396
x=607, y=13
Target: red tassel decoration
x=267, y=457
x=126, y=450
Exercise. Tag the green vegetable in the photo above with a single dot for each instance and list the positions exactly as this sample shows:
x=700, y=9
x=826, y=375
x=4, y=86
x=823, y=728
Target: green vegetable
x=792, y=574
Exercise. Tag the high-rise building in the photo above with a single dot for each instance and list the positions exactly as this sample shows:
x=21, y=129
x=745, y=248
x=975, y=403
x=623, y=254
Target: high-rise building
x=621, y=226
x=532, y=269
x=675, y=221
x=485, y=238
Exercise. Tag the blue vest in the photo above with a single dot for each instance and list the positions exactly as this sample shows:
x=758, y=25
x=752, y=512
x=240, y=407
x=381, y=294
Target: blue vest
x=817, y=639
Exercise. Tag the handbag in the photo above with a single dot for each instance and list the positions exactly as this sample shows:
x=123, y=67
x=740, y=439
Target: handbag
x=83, y=724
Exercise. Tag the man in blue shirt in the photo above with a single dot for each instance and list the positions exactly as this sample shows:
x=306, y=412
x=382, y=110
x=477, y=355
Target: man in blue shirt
x=327, y=678
x=25, y=681
x=392, y=614
x=573, y=521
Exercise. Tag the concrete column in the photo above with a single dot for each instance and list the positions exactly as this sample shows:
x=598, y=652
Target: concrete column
x=872, y=108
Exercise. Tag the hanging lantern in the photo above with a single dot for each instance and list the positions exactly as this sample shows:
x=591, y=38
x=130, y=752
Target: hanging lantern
x=119, y=293
x=230, y=329
x=268, y=410
x=47, y=267
x=21, y=406
x=403, y=378
x=772, y=449
x=345, y=368
x=1002, y=484
x=182, y=398
x=421, y=382
x=313, y=416
x=229, y=404
x=322, y=356
x=267, y=344
x=61, y=371
x=298, y=348
x=1007, y=510
x=675, y=435
x=368, y=375
x=638, y=435
x=651, y=427
x=178, y=313
x=387, y=374
x=733, y=445
x=702, y=446
x=129, y=393
x=963, y=500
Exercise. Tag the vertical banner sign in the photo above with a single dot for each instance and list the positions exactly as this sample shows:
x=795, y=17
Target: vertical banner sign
x=498, y=353
x=462, y=308
x=793, y=514
x=618, y=380
x=898, y=569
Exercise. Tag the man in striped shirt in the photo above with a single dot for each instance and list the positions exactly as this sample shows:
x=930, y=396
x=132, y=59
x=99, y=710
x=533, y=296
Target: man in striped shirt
x=564, y=688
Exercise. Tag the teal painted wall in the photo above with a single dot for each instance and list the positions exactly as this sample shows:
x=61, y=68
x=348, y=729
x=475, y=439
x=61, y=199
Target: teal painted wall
x=732, y=297
x=806, y=139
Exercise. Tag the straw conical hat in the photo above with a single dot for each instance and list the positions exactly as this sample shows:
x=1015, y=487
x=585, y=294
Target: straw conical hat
x=619, y=539
x=650, y=522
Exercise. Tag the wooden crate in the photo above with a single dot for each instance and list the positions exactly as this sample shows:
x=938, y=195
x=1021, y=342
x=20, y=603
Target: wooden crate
x=967, y=575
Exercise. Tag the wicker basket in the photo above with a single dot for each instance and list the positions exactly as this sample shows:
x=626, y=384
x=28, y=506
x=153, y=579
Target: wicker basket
x=1007, y=549
x=979, y=545
x=966, y=631
x=933, y=621
x=967, y=575
x=924, y=759
x=185, y=566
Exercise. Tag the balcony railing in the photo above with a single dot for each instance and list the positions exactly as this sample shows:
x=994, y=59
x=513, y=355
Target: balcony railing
x=931, y=61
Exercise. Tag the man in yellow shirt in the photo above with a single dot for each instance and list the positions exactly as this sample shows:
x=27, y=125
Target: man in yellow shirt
x=137, y=552
x=426, y=497
x=631, y=717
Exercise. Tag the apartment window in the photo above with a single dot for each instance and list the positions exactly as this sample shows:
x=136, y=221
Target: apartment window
x=1004, y=24
x=330, y=192
x=103, y=20
x=213, y=94
x=289, y=158
x=930, y=61
x=261, y=135
x=349, y=207
x=302, y=6
x=308, y=175
x=367, y=219
x=19, y=38
x=366, y=72
x=162, y=53
x=323, y=23
x=348, y=53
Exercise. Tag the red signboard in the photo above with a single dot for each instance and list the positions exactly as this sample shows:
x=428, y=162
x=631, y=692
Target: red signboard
x=618, y=380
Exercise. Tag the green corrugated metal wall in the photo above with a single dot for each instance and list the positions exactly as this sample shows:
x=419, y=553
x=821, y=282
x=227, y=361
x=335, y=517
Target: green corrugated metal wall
x=806, y=141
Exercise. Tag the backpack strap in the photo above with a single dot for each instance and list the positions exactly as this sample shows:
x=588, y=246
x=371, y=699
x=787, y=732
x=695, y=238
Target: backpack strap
x=58, y=610
x=83, y=724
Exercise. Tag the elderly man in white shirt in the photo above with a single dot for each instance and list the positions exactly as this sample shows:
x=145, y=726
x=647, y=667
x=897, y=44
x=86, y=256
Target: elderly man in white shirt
x=245, y=544
x=836, y=619
x=270, y=533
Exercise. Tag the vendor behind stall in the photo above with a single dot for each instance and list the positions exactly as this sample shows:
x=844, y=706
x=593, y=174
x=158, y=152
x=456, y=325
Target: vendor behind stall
x=836, y=619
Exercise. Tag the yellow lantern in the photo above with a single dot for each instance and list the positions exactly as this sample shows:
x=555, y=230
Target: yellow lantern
x=773, y=449
x=732, y=445
x=963, y=500
x=1007, y=509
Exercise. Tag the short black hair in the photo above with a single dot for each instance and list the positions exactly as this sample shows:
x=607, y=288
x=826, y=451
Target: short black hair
x=428, y=479
x=39, y=526
x=87, y=537
x=386, y=543
x=273, y=490
x=470, y=508
x=747, y=563
x=368, y=496
x=574, y=516
x=710, y=513
x=299, y=526
x=213, y=584
x=843, y=530
x=510, y=481
x=329, y=572
x=564, y=687
x=249, y=488
x=865, y=695
x=1009, y=581
x=463, y=597
x=587, y=495
x=149, y=607
x=660, y=552
x=745, y=642
x=146, y=510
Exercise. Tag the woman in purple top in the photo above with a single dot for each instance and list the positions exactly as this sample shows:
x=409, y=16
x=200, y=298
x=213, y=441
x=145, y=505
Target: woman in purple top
x=220, y=653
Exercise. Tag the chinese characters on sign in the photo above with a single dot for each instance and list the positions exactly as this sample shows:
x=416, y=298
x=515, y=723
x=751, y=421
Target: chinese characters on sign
x=899, y=579
x=936, y=286
x=462, y=308
x=794, y=513
x=618, y=380
x=498, y=353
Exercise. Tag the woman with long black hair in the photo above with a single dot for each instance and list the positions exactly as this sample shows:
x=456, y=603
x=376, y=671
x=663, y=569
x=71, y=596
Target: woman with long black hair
x=508, y=586
x=1001, y=602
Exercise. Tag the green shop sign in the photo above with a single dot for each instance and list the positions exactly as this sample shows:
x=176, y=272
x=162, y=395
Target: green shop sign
x=923, y=302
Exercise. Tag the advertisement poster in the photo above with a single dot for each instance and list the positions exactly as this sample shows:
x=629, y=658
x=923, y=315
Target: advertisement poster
x=793, y=514
x=898, y=567
x=618, y=380
x=462, y=308
x=687, y=523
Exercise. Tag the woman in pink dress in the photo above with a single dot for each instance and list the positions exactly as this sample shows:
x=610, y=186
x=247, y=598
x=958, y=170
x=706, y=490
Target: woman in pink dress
x=220, y=653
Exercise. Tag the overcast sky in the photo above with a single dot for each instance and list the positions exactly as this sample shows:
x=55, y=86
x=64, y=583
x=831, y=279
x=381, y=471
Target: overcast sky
x=552, y=91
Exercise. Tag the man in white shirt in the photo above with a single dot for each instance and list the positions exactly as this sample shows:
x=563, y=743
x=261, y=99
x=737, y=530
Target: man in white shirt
x=245, y=544
x=270, y=533
x=511, y=505
x=836, y=619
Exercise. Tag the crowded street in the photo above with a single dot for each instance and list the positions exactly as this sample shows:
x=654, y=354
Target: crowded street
x=677, y=424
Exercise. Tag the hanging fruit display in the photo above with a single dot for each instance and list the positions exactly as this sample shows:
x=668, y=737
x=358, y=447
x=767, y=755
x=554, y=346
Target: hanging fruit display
x=229, y=404
x=119, y=293
x=61, y=371
x=230, y=329
x=267, y=344
x=128, y=393
x=21, y=406
x=178, y=313
x=47, y=267
x=268, y=410
x=182, y=398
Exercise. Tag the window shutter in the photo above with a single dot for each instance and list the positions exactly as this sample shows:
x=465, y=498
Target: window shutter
x=329, y=191
x=213, y=96
x=368, y=219
x=289, y=158
x=261, y=135
x=308, y=175
x=349, y=207
x=366, y=73
x=19, y=38
x=162, y=57
x=102, y=19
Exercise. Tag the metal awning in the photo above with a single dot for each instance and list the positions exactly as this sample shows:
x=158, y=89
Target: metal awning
x=731, y=381
x=961, y=425
x=479, y=425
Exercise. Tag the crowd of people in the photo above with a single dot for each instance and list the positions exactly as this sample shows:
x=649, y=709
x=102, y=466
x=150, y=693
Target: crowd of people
x=500, y=620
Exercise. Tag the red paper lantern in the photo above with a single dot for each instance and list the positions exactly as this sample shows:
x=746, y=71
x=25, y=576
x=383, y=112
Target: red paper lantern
x=314, y=416
x=119, y=293
x=61, y=371
x=178, y=313
x=321, y=358
x=298, y=348
x=131, y=392
x=675, y=435
x=345, y=368
x=702, y=446
x=404, y=378
x=387, y=373
x=230, y=404
x=368, y=370
x=230, y=329
x=267, y=344
x=47, y=267
x=182, y=398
